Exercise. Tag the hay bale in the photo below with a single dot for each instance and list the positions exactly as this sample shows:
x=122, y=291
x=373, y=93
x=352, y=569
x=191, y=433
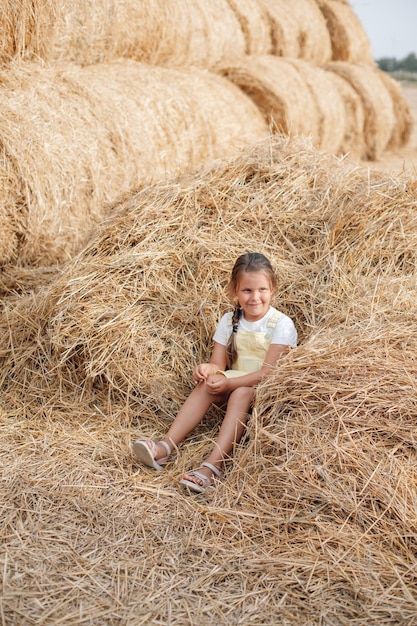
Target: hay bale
x=349, y=40
x=279, y=92
x=379, y=120
x=161, y=32
x=254, y=23
x=298, y=30
x=329, y=104
x=308, y=101
x=353, y=142
x=99, y=132
x=403, y=125
x=26, y=28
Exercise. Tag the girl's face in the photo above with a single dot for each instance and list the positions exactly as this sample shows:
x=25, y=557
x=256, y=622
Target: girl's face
x=254, y=292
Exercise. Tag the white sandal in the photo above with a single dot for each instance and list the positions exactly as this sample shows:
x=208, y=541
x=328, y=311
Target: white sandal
x=208, y=482
x=145, y=450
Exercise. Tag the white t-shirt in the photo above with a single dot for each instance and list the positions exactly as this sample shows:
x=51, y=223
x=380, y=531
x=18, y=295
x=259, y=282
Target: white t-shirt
x=284, y=332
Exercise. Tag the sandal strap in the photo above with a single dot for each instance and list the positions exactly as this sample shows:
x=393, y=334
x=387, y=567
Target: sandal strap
x=166, y=446
x=218, y=473
x=205, y=480
x=146, y=450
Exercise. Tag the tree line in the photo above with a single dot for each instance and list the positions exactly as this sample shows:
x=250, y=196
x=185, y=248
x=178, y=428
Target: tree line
x=391, y=64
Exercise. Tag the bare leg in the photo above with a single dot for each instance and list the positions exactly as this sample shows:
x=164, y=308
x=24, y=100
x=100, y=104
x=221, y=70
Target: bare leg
x=232, y=428
x=189, y=416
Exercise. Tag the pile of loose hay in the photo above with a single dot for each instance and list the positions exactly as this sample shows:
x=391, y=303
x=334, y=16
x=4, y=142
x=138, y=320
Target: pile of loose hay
x=167, y=246
x=333, y=450
x=75, y=139
x=316, y=522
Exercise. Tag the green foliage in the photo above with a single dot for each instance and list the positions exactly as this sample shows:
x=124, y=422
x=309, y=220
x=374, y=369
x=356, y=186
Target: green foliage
x=390, y=64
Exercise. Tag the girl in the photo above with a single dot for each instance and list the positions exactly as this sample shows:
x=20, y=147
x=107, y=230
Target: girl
x=247, y=345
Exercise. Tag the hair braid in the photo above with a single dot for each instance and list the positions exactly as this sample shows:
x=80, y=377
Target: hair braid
x=231, y=348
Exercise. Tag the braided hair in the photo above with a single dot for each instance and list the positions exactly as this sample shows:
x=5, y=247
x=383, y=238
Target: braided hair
x=249, y=262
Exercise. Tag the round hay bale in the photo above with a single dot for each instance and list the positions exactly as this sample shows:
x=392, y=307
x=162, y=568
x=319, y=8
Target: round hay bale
x=348, y=38
x=26, y=28
x=99, y=132
x=254, y=23
x=160, y=32
x=284, y=28
x=329, y=104
x=353, y=142
x=279, y=91
x=403, y=125
x=9, y=240
x=298, y=30
x=379, y=120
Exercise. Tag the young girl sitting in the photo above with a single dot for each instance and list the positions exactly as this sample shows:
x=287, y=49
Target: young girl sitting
x=247, y=345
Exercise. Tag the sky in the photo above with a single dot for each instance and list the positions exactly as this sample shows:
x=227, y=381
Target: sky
x=391, y=26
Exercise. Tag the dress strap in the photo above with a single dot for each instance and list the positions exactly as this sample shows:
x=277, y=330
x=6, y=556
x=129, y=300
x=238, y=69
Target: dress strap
x=273, y=321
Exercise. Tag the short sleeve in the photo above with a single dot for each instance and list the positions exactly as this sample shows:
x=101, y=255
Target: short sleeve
x=220, y=336
x=285, y=332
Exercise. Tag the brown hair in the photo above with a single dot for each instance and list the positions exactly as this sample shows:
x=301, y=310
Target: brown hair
x=249, y=262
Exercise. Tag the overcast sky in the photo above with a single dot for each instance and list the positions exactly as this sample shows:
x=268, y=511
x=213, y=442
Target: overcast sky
x=391, y=26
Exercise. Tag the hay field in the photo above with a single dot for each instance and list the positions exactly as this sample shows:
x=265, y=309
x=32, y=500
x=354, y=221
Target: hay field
x=317, y=521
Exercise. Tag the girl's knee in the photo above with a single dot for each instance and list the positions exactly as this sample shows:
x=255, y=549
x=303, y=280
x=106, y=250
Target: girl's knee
x=243, y=394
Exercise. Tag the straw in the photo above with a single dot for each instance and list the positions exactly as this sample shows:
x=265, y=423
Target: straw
x=316, y=522
x=379, y=116
x=298, y=30
x=349, y=40
x=161, y=32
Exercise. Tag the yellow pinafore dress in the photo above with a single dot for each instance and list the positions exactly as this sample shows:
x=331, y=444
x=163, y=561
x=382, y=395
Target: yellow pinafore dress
x=251, y=347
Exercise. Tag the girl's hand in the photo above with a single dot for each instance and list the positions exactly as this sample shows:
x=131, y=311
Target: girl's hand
x=202, y=371
x=217, y=384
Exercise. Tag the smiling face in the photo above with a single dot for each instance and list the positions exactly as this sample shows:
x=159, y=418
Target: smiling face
x=254, y=292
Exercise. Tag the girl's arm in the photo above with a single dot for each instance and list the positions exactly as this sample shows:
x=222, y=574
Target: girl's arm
x=217, y=362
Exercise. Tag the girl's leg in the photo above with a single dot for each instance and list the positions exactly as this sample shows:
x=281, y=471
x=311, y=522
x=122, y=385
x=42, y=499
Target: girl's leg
x=232, y=427
x=189, y=416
